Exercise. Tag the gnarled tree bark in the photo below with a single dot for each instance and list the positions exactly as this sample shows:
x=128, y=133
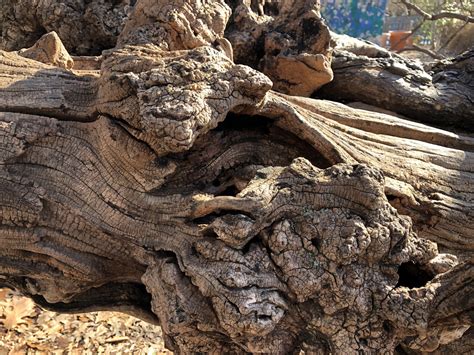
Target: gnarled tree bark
x=443, y=95
x=175, y=185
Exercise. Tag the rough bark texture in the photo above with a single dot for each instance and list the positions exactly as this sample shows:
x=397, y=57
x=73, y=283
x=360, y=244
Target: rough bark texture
x=175, y=25
x=286, y=40
x=443, y=95
x=84, y=26
x=175, y=185
x=49, y=50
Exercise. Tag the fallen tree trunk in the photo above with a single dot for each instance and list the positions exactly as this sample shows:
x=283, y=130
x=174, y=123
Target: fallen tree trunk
x=367, y=73
x=178, y=187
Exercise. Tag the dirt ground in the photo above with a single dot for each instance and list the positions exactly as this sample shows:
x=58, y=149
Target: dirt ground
x=27, y=329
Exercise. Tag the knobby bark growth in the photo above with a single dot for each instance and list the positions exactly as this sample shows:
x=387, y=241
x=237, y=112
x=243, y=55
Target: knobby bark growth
x=164, y=180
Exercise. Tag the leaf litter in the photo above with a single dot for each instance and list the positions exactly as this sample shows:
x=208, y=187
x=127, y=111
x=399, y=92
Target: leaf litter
x=25, y=328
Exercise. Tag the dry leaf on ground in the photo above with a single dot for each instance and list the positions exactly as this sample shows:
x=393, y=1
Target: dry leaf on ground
x=26, y=329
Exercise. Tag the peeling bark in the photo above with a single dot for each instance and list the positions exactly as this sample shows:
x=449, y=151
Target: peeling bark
x=175, y=185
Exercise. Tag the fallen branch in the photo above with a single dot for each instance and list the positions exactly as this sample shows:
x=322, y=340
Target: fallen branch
x=387, y=80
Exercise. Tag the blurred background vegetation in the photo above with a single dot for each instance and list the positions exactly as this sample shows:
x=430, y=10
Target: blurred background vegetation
x=448, y=35
x=379, y=20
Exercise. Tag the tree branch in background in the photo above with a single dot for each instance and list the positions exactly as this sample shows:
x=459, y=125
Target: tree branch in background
x=427, y=51
x=404, y=38
x=438, y=16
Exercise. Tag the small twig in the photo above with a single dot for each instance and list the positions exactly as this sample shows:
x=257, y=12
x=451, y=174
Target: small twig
x=423, y=50
x=431, y=17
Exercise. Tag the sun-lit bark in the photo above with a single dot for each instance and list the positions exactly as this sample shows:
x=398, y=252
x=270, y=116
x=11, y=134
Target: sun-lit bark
x=163, y=180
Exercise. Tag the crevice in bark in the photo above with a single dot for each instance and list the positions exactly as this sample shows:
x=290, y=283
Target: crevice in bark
x=210, y=217
x=242, y=122
x=228, y=157
x=165, y=255
x=413, y=275
x=400, y=350
x=392, y=199
x=131, y=298
x=64, y=116
x=246, y=248
x=314, y=342
x=228, y=190
x=115, y=295
x=271, y=8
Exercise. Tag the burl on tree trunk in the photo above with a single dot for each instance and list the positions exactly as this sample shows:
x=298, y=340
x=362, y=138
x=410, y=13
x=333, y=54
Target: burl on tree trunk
x=175, y=185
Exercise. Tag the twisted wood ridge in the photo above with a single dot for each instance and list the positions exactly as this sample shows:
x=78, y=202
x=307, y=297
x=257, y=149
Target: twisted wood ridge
x=175, y=185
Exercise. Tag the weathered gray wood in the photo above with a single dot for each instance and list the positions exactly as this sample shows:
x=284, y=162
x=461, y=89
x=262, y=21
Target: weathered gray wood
x=443, y=96
x=32, y=87
x=216, y=220
x=91, y=26
x=177, y=186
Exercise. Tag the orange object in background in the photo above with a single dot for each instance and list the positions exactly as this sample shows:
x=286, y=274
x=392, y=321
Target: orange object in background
x=399, y=41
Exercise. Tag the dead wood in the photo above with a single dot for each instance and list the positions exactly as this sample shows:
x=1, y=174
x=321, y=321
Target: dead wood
x=175, y=185
x=442, y=96
x=84, y=26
